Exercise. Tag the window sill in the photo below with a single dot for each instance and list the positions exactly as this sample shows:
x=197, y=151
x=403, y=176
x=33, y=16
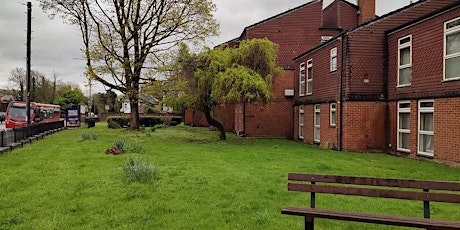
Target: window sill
x=403, y=86
x=332, y=126
x=427, y=155
x=332, y=71
x=404, y=150
x=451, y=79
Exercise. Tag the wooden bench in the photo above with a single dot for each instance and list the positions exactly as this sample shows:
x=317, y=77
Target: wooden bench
x=373, y=187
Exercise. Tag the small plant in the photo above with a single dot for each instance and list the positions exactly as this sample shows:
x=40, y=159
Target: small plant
x=88, y=136
x=117, y=148
x=137, y=171
x=136, y=148
x=119, y=143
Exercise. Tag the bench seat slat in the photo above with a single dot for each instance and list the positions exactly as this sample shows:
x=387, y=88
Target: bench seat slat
x=371, y=218
x=388, y=182
x=372, y=192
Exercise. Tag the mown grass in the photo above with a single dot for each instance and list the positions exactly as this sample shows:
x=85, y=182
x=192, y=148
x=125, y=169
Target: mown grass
x=66, y=181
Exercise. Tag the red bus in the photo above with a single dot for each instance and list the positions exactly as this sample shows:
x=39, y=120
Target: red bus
x=15, y=116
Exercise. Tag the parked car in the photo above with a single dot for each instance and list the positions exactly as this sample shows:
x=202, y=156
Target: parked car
x=2, y=117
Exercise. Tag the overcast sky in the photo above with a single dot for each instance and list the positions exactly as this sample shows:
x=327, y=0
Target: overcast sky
x=56, y=46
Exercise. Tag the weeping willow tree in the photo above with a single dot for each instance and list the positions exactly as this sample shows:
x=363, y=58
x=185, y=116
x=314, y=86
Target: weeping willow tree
x=217, y=76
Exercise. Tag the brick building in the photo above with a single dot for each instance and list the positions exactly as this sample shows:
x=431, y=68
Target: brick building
x=385, y=85
x=295, y=31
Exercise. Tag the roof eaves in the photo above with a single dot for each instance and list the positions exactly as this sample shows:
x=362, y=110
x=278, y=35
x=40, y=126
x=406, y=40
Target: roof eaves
x=449, y=7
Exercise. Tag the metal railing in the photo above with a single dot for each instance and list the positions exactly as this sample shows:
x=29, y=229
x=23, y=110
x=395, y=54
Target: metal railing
x=10, y=136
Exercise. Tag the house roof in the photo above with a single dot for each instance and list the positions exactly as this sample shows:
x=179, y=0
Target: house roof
x=359, y=27
x=276, y=16
x=425, y=17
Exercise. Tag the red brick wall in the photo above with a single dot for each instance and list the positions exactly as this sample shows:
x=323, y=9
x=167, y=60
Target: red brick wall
x=367, y=10
x=273, y=119
x=366, y=65
x=447, y=129
x=364, y=126
x=340, y=14
x=427, y=60
x=295, y=32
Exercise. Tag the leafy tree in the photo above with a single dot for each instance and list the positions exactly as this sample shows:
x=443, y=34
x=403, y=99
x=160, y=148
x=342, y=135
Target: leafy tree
x=102, y=99
x=217, y=76
x=124, y=37
x=69, y=96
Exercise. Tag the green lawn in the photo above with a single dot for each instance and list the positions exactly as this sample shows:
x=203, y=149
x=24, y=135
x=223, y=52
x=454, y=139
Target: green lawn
x=63, y=182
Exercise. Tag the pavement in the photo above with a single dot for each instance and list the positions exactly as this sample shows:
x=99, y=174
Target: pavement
x=2, y=126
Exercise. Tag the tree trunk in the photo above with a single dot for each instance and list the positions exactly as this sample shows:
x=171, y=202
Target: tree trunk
x=134, y=125
x=216, y=124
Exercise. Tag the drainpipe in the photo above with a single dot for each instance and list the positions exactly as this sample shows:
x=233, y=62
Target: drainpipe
x=342, y=73
x=244, y=118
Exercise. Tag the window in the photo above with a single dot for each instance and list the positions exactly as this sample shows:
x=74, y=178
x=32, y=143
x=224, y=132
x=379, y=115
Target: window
x=333, y=59
x=426, y=127
x=405, y=61
x=333, y=114
x=452, y=49
x=309, y=77
x=301, y=121
x=302, y=79
x=403, y=126
x=317, y=123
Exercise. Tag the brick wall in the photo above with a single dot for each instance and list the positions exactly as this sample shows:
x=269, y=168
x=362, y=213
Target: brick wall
x=364, y=126
x=447, y=129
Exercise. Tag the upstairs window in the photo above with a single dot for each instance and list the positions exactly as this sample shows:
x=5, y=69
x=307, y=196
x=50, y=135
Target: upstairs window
x=405, y=61
x=333, y=60
x=302, y=79
x=309, y=77
x=452, y=49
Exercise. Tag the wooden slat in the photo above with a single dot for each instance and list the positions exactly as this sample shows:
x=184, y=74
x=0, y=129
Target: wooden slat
x=375, y=192
x=388, y=182
x=372, y=218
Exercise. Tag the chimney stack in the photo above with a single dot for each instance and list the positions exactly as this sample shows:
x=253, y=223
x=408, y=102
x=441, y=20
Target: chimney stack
x=366, y=11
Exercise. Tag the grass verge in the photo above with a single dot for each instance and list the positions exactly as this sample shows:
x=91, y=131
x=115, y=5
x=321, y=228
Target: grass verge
x=62, y=182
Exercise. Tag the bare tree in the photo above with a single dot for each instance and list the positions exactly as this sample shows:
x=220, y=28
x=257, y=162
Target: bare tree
x=122, y=38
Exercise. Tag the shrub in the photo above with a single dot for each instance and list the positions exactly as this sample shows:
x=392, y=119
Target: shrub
x=113, y=124
x=137, y=171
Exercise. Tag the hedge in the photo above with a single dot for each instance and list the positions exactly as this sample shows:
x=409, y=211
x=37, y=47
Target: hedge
x=145, y=121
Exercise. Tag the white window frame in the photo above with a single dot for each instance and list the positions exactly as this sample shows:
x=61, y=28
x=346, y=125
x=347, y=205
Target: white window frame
x=405, y=66
x=309, y=78
x=399, y=129
x=301, y=121
x=317, y=124
x=333, y=111
x=333, y=60
x=447, y=32
x=422, y=110
x=302, y=82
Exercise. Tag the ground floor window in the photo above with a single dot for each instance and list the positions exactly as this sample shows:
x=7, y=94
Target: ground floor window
x=317, y=123
x=404, y=126
x=332, y=115
x=301, y=121
x=426, y=127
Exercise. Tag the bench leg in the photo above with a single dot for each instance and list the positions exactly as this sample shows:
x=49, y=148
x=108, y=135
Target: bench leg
x=309, y=223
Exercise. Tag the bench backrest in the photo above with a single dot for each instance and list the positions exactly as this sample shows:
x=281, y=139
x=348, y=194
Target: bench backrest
x=375, y=187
